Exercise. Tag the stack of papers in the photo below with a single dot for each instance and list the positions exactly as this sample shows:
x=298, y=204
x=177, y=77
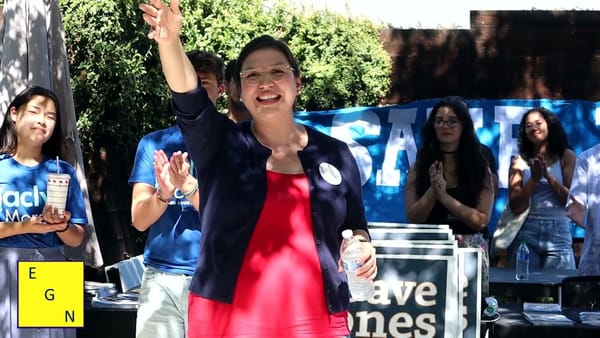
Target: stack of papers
x=589, y=317
x=545, y=314
x=105, y=295
x=97, y=289
x=117, y=301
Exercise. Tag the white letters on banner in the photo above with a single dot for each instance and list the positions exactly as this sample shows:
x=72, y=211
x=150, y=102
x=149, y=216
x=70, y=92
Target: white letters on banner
x=385, y=141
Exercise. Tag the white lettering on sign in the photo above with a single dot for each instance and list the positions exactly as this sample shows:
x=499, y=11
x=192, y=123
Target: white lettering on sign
x=356, y=128
x=365, y=123
x=401, y=139
x=507, y=117
x=401, y=324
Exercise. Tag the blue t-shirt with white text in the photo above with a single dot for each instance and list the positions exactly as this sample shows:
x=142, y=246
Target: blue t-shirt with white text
x=23, y=195
x=173, y=242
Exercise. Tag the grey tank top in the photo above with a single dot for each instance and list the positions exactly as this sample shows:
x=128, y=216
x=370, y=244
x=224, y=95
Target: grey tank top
x=544, y=202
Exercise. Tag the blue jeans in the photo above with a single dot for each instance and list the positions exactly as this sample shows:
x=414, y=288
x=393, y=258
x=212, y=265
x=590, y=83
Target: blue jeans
x=163, y=305
x=549, y=242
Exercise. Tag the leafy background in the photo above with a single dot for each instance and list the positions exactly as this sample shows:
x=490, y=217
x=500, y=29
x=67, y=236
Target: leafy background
x=120, y=93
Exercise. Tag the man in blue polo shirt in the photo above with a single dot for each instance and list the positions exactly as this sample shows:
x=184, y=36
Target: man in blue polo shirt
x=170, y=215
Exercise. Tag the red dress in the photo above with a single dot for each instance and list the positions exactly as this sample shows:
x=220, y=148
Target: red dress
x=279, y=292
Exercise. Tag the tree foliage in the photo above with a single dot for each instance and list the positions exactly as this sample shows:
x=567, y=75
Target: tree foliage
x=119, y=90
x=120, y=93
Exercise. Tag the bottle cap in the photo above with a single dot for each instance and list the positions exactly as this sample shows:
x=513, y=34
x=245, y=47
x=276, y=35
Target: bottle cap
x=347, y=234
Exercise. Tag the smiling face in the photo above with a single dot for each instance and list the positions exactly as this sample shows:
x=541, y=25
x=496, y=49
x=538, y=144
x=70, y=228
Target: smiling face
x=448, y=128
x=34, y=121
x=536, y=128
x=268, y=83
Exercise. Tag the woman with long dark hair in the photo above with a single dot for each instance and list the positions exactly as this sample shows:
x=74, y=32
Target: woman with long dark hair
x=450, y=182
x=540, y=177
x=30, y=229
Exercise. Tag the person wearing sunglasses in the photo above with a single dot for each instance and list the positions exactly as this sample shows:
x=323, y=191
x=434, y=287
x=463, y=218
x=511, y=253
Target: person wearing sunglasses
x=276, y=196
x=450, y=181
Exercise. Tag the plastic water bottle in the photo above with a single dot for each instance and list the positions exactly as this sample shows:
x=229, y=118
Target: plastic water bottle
x=351, y=252
x=522, y=262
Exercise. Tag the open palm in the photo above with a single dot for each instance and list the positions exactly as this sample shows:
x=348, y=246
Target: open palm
x=164, y=19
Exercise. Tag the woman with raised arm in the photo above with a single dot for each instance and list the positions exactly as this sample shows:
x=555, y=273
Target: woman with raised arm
x=276, y=196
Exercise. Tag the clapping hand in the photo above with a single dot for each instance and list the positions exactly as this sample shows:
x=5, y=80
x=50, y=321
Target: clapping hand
x=538, y=168
x=161, y=171
x=164, y=19
x=436, y=178
x=179, y=169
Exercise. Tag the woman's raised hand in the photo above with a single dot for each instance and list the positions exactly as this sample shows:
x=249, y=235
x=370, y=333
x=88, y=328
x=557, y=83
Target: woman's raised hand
x=164, y=19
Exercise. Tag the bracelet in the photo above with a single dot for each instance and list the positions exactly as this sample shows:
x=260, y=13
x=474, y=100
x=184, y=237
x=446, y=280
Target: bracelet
x=65, y=229
x=189, y=193
x=162, y=199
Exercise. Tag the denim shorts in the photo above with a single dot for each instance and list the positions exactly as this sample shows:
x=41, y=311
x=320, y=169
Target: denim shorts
x=549, y=242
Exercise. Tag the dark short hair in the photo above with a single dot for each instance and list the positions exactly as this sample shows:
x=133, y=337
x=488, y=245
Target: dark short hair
x=265, y=42
x=8, y=133
x=207, y=62
x=230, y=70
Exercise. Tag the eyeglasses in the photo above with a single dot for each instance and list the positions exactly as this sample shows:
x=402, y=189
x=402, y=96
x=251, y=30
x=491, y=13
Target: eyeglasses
x=452, y=122
x=252, y=77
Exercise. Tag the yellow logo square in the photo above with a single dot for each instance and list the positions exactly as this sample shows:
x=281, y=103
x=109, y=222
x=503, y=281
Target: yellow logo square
x=50, y=294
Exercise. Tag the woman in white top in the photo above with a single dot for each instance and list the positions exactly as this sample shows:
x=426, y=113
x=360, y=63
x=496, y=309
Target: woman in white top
x=540, y=177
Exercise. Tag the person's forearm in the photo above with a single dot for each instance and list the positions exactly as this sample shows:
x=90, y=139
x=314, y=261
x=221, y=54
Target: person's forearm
x=471, y=217
x=520, y=201
x=147, y=211
x=560, y=190
x=8, y=229
x=177, y=68
x=190, y=190
x=194, y=198
x=72, y=235
x=419, y=212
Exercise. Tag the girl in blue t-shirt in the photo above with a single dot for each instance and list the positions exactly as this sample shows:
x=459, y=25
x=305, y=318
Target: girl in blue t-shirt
x=31, y=230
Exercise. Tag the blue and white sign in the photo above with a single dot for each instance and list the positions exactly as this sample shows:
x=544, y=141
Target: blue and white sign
x=385, y=140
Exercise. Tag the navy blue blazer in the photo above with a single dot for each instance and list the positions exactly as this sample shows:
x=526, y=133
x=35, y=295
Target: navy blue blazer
x=231, y=169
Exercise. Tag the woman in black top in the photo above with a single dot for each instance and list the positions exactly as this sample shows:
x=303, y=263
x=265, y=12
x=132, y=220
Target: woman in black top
x=450, y=182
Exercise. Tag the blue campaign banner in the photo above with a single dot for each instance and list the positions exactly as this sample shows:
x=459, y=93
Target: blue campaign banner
x=385, y=140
